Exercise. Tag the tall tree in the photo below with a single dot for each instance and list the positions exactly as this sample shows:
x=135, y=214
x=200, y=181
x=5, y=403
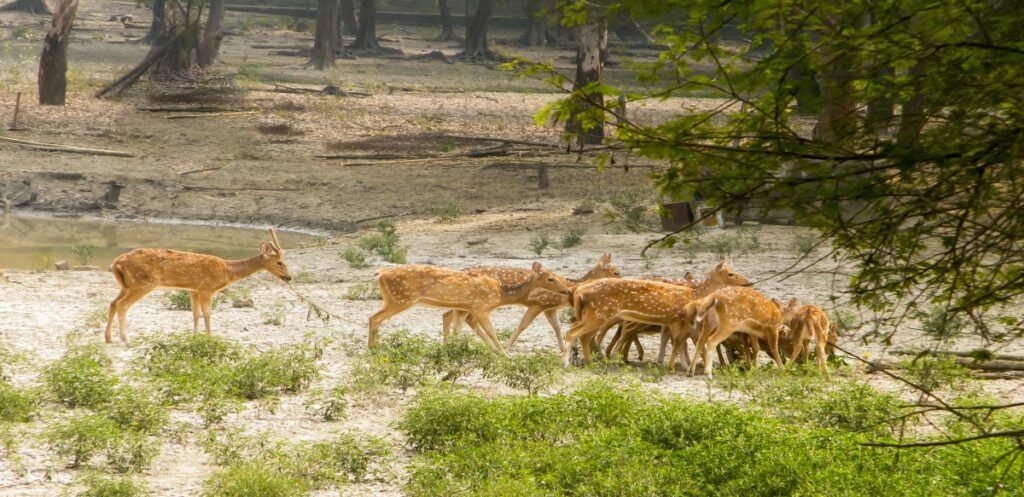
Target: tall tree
x=38, y=7
x=366, y=39
x=447, y=28
x=213, y=33
x=537, y=28
x=476, y=33
x=586, y=118
x=157, y=25
x=325, y=44
x=53, y=63
x=349, y=27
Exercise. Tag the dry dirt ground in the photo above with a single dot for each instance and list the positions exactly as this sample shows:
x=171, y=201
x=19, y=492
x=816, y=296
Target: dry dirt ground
x=39, y=310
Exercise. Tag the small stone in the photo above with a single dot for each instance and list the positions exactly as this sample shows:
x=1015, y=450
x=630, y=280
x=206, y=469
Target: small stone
x=241, y=303
x=62, y=266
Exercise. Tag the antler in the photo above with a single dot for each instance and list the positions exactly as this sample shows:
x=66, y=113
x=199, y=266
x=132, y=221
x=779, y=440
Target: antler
x=277, y=244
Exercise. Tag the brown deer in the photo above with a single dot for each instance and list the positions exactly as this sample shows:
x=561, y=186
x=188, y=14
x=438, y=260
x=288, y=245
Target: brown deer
x=144, y=270
x=738, y=309
x=632, y=330
x=477, y=295
x=810, y=322
x=538, y=300
x=601, y=304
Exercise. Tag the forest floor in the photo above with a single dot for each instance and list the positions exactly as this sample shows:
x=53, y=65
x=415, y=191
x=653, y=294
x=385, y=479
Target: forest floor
x=273, y=178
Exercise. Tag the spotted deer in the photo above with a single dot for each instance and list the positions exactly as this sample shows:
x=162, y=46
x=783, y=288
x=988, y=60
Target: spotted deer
x=537, y=301
x=806, y=323
x=604, y=303
x=474, y=294
x=632, y=331
x=143, y=270
x=739, y=309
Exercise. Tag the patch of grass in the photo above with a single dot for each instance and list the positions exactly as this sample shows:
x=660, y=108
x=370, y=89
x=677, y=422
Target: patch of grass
x=100, y=486
x=532, y=371
x=571, y=238
x=83, y=437
x=539, y=244
x=17, y=404
x=448, y=211
x=404, y=360
x=606, y=439
x=247, y=479
x=84, y=253
x=278, y=129
x=355, y=257
x=803, y=244
x=249, y=72
x=274, y=316
x=290, y=370
x=304, y=278
x=178, y=300
x=83, y=377
x=385, y=243
x=461, y=356
x=331, y=405
x=629, y=209
x=364, y=290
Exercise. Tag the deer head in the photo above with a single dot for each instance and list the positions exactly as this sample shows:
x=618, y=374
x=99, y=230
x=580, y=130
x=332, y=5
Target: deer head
x=273, y=256
x=603, y=269
x=548, y=280
x=723, y=275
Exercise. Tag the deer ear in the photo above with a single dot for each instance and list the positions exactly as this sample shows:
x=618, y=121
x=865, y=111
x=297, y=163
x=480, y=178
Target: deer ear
x=792, y=302
x=537, y=267
x=606, y=259
x=688, y=276
x=721, y=264
x=266, y=249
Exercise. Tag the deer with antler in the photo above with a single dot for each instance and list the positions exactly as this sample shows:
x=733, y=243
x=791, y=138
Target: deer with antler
x=143, y=270
x=537, y=301
x=604, y=303
x=473, y=294
x=739, y=310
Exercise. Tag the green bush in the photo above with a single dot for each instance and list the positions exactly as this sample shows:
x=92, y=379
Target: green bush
x=571, y=238
x=399, y=359
x=355, y=256
x=98, y=486
x=447, y=212
x=532, y=371
x=539, y=244
x=385, y=243
x=329, y=406
x=178, y=300
x=462, y=355
x=629, y=208
x=606, y=440
x=290, y=369
x=83, y=377
x=85, y=436
x=16, y=404
x=248, y=480
x=83, y=252
x=135, y=409
x=364, y=290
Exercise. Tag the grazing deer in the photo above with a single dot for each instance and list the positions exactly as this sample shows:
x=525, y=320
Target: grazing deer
x=537, y=301
x=144, y=270
x=810, y=322
x=601, y=304
x=477, y=295
x=738, y=309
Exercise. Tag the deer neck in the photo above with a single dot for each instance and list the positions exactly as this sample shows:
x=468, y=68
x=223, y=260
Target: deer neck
x=514, y=293
x=244, y=268
x=705, y=288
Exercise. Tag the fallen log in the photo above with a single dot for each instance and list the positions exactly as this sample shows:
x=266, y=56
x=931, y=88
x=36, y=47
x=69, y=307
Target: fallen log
x=397, y=159
x=972, y=354
x=995, y=366
x=210, y=114
x=55, y=147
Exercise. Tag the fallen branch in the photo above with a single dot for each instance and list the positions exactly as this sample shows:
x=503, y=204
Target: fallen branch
x=122, y=83
x=211, y=114
x=485, y=152
x=54, y=147
x=186, y=109
x=200, y=170
x=973, y=354
x=511, y=141
x=217, y=188
x=998, y=365
x=937, y=443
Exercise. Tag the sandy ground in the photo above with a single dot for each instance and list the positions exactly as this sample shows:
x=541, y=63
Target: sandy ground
x=275, y=179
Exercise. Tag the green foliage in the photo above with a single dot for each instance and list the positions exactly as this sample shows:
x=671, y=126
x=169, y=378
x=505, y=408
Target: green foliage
x=447, y=212
x=124, y=486
x=178, y=300
x=941, y=325
x=355, y=257
x=404, y=360
x=82, y=437
x=331, y=405
x=83, y=377
x=845, y=320
x=804, y=244
x=571, y=238
x=16, y=404
x=290, y=369
x=363, y=290
x=246, y=480
x=249, y=72
x=532, y=371
x=385, y=243
x=274, y=316
x=135, y=409
x=304, y=278
x=629, y=208
x=462, y=355
x=84, y=252
x=539, y=244
x=604, y=439
x=934, y=373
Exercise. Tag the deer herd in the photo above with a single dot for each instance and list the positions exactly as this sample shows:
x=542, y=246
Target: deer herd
x=720, y=312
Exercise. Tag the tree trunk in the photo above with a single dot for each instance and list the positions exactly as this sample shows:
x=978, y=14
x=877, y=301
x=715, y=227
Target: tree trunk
x=325, y=44
x=212, y=34
x=348, y=20
x=366, y=39
x=912, y=116
x=37, y=7
x=447, y=29
x=629, y=31
x=537, y=30
x=838, y=118
x=179, y=39
x=476, y=33
x=53, y=63
x=157, y=26
x=881, y=111
x=586, y=123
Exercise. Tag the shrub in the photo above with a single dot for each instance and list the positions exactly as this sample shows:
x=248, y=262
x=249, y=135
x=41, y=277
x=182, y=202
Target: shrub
x=329, y=406
x=385, y=243
x=178, y=300
x=804, y=244
x=247, y=480
x=290, y=370
x=459, y=357
x=399, y=359
x=190, y=365
x=98, y=486
x=83, y=437
x=17, y=405
x=135, y=409
x=447, y=212
x=364, y=290
x=539, y=244
x=533, y=371
x=571, y=238
x=355, y=257
x=83, y=252
x=83, y=377
x=274, y=316
x=629, y=208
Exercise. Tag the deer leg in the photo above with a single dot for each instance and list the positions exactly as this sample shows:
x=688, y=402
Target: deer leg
x=193, y=298
x=664, y=344
x=206, y=300
x=133, y=296
x=616, y=338
x=579, y=330
x=531, y=314
x=552, y=315
x=113, y=311
x=390, y=309
x=446, y=325
x=487, y=334
x=639, y=348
